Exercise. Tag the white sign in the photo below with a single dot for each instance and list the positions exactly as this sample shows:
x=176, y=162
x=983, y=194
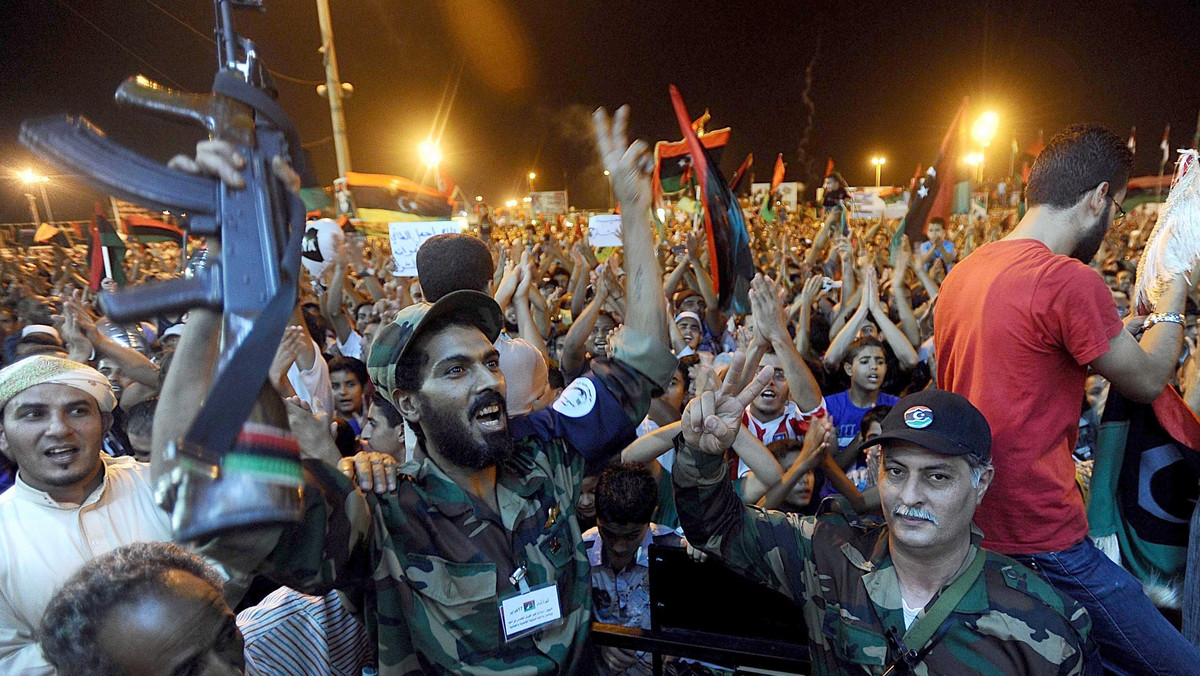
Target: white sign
x=526, y=613
x=549, y=202
x=408, y=236
x=604, y=230
x=787, y=193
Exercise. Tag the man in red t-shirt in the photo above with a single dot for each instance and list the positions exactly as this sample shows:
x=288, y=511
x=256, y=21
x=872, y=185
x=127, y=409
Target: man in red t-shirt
x=1017, y=326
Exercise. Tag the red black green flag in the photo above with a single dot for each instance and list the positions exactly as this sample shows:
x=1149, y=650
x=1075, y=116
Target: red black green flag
x=930, y=197
x=151, y=230
x=728, y=240
x=106, y=252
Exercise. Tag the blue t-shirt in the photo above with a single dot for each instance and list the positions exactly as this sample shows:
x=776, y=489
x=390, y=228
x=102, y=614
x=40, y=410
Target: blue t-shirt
x=924, y=247
x=847, y=418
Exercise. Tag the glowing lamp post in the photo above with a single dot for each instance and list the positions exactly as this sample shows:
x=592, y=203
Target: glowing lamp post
x=878, y=162
x=30, y=178
x=431, y=154
x=983, y=131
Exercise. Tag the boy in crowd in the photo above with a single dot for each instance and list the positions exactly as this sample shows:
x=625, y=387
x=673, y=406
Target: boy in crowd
x=348, y=377
x=626, y=496
x=866, y=366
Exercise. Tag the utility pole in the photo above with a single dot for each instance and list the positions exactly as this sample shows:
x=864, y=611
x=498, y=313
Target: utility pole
x=46, y=202
x=33, y=208
x=333, y=90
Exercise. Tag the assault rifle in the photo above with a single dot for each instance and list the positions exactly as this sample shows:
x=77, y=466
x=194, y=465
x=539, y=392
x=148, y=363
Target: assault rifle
x=219, y=480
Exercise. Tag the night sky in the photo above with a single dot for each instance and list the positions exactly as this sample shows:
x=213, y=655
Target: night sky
x=887, y=79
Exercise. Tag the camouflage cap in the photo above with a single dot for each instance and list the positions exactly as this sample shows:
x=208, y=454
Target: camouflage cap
x=392, y=341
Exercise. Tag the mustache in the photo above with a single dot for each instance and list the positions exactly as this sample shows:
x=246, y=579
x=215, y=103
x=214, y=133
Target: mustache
x=489, y=398
x=915, y=513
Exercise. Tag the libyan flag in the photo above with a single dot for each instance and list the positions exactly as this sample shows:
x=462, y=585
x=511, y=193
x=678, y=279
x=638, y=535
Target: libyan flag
x=930, y=198
x=1144, y=484
x=728, y=240
x=151, y=230
x=104, y=243
x=382, y=198
x=673, y=160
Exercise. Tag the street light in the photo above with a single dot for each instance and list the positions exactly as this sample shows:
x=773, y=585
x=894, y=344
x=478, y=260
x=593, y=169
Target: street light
x=985, y=128
x=30, y=178
x=479, y=198
x=878, y=162
x=532, y=176
x=430, y=153
x=510, y=204
x=976, y=160
x=608, y=184
x=983, y=132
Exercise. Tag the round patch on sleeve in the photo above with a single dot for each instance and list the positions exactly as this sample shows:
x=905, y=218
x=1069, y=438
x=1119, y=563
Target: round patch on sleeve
x=918, y=417
x=577, y=400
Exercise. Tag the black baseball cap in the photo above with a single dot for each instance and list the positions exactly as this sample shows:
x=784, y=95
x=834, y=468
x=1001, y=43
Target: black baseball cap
x=939, y=421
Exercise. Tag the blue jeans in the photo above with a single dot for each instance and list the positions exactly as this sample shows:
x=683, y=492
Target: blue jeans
x=1133, y=637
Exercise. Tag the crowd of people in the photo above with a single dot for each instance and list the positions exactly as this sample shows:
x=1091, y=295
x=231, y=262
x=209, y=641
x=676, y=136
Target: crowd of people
x=898, y=436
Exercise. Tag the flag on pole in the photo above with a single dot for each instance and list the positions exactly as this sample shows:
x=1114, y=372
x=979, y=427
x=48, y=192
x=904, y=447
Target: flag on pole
x=1132, y=142
x=741, y=172
x=929, y=198
x=767, y=210
x=106, y=252
x=49, y=234
x=829, y=167
x=673, y=161
x=728, y=241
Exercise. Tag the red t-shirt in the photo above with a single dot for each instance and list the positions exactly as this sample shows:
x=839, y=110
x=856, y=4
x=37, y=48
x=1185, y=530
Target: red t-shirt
x=1015, y=328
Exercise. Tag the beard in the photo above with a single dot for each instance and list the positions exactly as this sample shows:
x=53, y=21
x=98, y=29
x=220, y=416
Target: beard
x=458, y=443
x=1086, y=249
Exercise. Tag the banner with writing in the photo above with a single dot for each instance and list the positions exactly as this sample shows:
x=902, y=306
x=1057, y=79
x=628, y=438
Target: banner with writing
x=604, y=230
x=408, y=236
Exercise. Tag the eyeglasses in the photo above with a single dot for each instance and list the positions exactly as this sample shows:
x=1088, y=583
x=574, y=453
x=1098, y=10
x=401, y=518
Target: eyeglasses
x=1120, y=212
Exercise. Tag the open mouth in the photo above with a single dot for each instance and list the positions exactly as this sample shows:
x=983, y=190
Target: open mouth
x=63, y=455
x=768, y=395
x=491, y=418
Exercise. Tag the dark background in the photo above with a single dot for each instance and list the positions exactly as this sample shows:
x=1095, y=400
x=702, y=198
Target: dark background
x=525, y=75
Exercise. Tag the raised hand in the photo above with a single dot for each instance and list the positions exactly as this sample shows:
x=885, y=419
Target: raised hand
x=712, y=418
x=817, y=442
x=768, y=313
x=630, y=165
x=812, y=287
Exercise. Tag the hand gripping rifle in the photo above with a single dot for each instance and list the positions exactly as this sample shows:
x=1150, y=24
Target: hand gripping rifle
x=223, y=477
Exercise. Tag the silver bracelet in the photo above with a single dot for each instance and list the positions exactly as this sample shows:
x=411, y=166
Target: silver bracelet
x=1160, y=317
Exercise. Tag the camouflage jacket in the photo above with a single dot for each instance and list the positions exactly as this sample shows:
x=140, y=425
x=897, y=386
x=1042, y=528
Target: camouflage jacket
x=838, y=570
x=430, y=565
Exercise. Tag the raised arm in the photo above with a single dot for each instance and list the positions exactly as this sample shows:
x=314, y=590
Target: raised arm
x=768, y=321
x=906, y=355
x=816, y=445
x=631, y=166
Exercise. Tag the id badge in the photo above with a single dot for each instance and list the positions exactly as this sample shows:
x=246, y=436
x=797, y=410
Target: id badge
x=529, y=611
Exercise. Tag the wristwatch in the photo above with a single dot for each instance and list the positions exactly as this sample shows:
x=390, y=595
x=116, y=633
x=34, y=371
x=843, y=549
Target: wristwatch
x=1159, y=317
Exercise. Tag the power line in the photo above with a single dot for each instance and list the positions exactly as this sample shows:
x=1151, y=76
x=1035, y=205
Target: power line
x=209, y=39
x=120, y=44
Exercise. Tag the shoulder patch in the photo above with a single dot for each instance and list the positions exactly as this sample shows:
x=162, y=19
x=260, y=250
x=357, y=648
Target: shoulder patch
x=577, y=400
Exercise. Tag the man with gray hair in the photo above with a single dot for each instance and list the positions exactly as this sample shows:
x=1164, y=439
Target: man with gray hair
x=917, y=594
x=70, y=502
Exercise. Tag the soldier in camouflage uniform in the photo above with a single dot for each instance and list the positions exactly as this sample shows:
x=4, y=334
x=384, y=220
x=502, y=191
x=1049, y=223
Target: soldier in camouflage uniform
x=489, y=510
x=862, y=585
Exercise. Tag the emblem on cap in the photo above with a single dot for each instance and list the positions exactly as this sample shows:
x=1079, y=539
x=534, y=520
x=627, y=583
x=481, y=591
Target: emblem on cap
x=918, y=417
